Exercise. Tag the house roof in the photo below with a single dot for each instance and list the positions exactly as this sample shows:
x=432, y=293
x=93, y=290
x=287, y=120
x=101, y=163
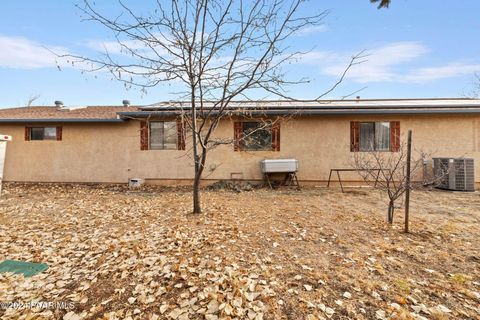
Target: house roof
x=64, y=114
x=272, y=107
x=325, y=107
x=325, y=104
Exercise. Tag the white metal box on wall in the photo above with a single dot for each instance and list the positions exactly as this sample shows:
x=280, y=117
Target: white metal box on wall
x=279, y=165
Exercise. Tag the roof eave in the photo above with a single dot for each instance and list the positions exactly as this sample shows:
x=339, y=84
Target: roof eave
x=320, y=107
x=84, y=120
x=169, y=113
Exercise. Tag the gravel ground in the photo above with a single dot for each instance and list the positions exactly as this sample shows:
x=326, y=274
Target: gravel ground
x=317, y=253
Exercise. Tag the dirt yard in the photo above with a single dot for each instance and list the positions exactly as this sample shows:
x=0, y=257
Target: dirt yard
x=317, y=253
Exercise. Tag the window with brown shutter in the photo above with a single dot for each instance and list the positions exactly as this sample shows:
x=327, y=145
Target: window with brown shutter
x=276, y=136
x=43, y=133
x=256, y=136
x=237, y=135
x=143, y=135
x=162, y=135
x=394, y=136
x=374, y=136
x=59, y=133
x=27, y=133
x=354, y=136
x=180, y=135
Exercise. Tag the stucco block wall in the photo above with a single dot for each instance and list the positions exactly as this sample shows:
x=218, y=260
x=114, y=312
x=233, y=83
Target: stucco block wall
x=111, y=152
x=322, y=143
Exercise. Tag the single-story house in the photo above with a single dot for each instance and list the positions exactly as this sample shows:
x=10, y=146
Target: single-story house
x=111, y=144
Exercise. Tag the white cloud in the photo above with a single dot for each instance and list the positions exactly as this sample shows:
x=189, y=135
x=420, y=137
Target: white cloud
x=423, y=75
x=311, y=30
x=389, y=63
x=125, y=46
x=114, y=47
x=381, y=63
x=22, y=53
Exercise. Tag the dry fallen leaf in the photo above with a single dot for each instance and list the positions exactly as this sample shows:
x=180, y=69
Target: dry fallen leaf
x=318, y=253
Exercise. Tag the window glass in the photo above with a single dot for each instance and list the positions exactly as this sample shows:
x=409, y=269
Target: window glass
x=43, y=133
x=374, y=136
x=163, y=135
x=382, y=136
x=156, y=135
x=367, y=136
x=50, y=133
x=257, y=136
x=36, y=133
x=170, y=135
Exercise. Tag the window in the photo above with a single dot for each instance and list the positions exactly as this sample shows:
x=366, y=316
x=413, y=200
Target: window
x=375, y=136
x=256, y=136
x=43, y=133
x=163, y=135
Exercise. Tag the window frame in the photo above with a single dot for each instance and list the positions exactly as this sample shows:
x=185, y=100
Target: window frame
x=393, y=136
x=150, y=135
x=41, y=135
x=272, y=127
x=251, y=147
x=375, y=144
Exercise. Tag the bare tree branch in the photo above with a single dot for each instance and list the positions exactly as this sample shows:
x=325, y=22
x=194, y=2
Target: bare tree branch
x=31, y=99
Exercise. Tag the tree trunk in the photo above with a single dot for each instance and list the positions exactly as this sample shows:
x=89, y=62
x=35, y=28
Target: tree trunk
x=196, y=181
x=391, y=208
x=196, y=194
x=200, y=160
x=407, y=191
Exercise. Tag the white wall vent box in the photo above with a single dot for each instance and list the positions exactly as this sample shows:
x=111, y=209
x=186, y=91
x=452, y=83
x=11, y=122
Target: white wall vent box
x=135, y=182
x=279, y=165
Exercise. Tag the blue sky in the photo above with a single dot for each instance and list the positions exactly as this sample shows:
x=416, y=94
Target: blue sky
x=416, y=49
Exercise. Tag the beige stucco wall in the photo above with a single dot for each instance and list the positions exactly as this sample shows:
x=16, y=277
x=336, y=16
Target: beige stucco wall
x=111, y=152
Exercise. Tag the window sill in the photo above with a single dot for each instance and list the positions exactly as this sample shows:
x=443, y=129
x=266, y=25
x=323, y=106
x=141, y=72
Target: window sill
x=256, y=151
x=382, y=151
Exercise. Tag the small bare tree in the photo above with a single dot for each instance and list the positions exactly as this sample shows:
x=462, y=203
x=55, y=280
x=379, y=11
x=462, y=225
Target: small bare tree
x=216, y=51
x=475, y=93
x=31, y=99
x=387, y=171
x=381, y=3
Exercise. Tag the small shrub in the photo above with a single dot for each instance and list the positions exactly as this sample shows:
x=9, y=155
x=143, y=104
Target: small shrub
x=459, y=278
x=403, y=286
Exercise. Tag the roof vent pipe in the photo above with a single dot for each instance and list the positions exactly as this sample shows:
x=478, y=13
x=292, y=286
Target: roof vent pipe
x=59, y=104
x=126, y=103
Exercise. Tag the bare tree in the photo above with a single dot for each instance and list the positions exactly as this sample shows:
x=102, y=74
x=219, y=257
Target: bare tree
x=31, y=99
x=381, y=3
x=475, y=93
x=387, y=171
x=215, y=50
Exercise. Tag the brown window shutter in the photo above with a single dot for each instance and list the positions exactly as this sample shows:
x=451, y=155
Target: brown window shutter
x=27, y=133
x=143, y=135
x=237, y=135
x=354, y=136
x=394, y=136
x=59, y=133
x=276, y=136
x=180, y=135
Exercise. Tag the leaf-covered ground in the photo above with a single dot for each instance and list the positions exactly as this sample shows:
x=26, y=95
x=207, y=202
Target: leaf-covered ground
x=317, y=253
